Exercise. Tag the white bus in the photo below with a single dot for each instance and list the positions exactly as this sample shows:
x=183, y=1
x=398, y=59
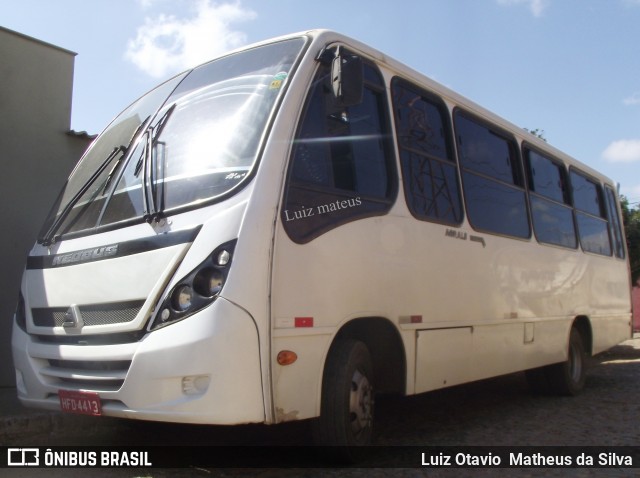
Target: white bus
x=287, y=230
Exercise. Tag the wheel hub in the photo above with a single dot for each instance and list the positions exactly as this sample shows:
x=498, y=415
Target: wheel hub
x=360, y=403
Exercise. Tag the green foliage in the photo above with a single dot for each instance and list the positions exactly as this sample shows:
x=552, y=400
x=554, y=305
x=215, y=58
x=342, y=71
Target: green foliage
x=537, y=132
x=631, y=218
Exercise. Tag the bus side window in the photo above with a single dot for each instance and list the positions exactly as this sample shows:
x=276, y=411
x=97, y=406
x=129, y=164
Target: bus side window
x=429, y=169
x=491, y=179
x=590, y=214
x=341, y=168
x=614, y=223
x=550, y=200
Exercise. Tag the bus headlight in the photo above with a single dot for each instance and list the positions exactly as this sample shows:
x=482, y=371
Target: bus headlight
x=209, y=281
x=198, y=289
x=182, y=298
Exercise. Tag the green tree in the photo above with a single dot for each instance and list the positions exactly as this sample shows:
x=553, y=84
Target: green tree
x=631, y=219
x=537, y=132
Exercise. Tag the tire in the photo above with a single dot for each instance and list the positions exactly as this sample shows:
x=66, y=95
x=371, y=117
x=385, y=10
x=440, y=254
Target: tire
x=568, y=378
x=346, y=411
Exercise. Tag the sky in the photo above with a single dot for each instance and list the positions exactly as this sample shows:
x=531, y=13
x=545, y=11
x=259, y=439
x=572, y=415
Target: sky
x=570, y=68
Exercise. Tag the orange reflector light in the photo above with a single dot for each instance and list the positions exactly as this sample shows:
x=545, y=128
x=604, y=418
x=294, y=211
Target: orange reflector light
x=287, y=357
x=303, y=321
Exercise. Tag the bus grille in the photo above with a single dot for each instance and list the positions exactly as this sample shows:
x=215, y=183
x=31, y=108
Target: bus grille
x=95, y=314
x=93, y=375
x=94, y=339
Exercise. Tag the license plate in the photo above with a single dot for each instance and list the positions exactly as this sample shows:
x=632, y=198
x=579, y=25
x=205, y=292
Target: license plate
x=84, y=403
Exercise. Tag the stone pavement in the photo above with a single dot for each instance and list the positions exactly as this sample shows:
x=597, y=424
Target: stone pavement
x=17, y=421
x=20, y=425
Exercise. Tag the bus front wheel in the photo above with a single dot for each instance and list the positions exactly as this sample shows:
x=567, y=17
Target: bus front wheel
x=346, y=411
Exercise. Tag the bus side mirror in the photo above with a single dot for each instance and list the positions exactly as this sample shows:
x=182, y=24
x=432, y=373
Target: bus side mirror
x=347, y=79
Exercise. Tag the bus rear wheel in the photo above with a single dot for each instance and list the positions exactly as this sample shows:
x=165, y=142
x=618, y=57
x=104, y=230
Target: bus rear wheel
x=346, y=414
x=568, y=378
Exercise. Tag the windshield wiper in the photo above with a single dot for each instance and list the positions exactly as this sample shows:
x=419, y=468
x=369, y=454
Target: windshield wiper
x=48, y=238
x=107, y=182
x=124, y=155
x=153, y=203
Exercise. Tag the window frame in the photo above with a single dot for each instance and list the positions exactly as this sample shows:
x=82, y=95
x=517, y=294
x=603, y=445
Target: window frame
x=615, y=228
x=390, y=161
x=445, y=115
x=518, y=174
x=603, y=209
x=533, y=194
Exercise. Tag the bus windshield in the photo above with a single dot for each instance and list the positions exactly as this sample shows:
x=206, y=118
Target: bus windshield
x=188, y=142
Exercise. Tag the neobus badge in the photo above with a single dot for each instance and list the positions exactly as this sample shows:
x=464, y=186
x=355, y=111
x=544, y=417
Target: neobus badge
x=86, y=255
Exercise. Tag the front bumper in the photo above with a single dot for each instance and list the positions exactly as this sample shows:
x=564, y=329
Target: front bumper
x=204, y=369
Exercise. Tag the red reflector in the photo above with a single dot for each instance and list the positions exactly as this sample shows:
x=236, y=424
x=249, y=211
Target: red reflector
x=416, y=319
x=304, y=321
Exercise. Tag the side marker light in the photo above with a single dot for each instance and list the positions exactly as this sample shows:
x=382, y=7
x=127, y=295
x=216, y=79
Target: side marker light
x=287, y=357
